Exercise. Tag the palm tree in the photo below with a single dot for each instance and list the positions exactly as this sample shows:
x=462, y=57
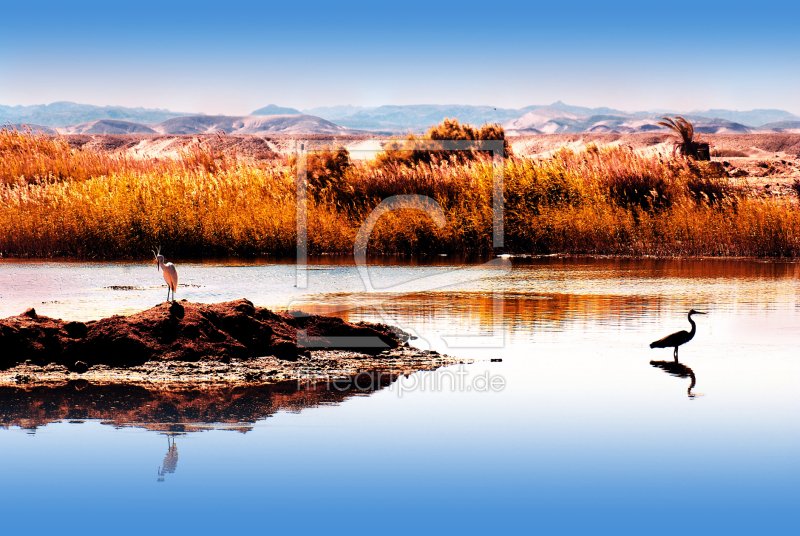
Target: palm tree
x=684, y=129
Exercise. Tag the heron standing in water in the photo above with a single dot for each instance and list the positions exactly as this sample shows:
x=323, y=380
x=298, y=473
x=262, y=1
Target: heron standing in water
x=170, y=273
x=676, y=339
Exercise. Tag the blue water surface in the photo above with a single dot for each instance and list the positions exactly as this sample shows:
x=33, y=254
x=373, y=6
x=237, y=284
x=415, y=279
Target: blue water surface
x=585, y=436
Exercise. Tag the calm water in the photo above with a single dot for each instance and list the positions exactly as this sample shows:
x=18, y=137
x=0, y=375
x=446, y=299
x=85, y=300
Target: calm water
x=585, y=435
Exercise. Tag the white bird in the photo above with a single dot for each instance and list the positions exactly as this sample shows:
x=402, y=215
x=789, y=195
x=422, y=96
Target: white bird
x=170, y=273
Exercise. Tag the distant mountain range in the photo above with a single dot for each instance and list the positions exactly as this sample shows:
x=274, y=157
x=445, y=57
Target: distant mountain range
x=554, y=118
x=72, y=118
x=62, y=113
x=206, y=124
x=547, y=120
x=413, y=117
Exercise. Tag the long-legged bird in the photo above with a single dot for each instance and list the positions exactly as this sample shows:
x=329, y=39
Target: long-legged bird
x=679, y=337
x=170, y=273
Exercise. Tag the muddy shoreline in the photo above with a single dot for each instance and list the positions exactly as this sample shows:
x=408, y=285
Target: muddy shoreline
x=318, y=367
x=182, y=397
x=185, y=345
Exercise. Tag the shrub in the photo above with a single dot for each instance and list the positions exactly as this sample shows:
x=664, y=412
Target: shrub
x=685, y=131
x=326, y=167
x=403, y=153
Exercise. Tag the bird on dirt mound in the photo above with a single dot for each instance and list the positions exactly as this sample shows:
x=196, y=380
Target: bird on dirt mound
x=170, y=273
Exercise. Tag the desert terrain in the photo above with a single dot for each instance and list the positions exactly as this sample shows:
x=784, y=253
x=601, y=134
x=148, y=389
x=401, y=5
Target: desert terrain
x=763, y=161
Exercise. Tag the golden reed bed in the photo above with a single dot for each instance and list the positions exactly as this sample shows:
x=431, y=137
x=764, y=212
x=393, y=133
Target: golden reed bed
x=59, y=201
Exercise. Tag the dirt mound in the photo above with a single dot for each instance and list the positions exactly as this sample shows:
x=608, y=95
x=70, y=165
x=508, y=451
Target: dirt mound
x=159, y=146
x=546, y=144
x=186, y=332
x=543, y=145
x=769, y=143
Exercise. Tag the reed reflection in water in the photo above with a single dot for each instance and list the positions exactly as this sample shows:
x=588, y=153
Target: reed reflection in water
x=83, y=291
x=522, y=317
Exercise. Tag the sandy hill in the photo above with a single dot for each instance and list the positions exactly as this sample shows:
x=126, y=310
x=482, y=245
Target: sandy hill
x=211, y=124
x=755, y=146
x=549, y=120
x=782, y=126
x=249, y=124
x=107, y=126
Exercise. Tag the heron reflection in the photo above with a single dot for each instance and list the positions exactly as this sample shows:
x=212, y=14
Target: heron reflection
x=170, y=460
x=679, y=370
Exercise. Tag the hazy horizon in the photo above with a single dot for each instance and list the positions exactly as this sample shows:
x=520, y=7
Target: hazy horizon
x=445, y=104
x=194, y=57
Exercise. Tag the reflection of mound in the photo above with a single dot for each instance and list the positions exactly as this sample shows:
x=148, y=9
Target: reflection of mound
x=185, y=410
x=677, y=369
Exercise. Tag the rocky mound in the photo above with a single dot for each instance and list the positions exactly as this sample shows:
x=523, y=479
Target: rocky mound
x=186, y=332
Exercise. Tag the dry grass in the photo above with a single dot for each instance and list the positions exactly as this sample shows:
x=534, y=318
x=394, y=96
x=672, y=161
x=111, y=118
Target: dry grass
x=31, y=158
x=603, y=201
x=234, y=212
x=38, y=157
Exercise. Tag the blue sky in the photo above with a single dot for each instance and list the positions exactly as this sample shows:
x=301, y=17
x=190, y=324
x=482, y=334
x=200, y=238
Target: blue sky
x=233, y=57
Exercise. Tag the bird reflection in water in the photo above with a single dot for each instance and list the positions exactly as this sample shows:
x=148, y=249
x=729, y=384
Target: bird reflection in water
x=677, y=369
x=170, y=460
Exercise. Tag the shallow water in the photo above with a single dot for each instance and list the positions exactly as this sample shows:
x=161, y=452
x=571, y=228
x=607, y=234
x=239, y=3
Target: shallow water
x=580, y=434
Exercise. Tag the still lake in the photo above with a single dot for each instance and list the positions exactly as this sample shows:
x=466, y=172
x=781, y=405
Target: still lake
x=582, y=434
